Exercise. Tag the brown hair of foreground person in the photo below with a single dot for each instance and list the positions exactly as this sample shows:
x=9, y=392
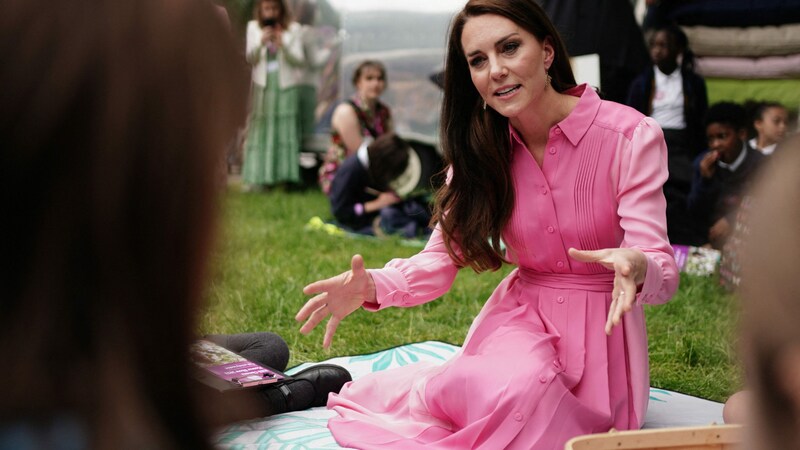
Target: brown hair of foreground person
x=114, y=116
x=771, y=302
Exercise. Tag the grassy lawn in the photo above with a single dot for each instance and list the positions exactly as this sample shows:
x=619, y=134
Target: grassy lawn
x=266, y=256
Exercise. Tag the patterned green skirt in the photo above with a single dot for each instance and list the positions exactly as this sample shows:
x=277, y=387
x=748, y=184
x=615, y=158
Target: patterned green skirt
x=279, y=120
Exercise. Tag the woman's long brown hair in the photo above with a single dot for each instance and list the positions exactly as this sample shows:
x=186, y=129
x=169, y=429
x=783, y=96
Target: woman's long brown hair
x=474, y=207
x=114, y=119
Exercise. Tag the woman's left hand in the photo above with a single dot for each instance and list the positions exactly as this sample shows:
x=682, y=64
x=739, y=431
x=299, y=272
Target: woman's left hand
x=629, y=266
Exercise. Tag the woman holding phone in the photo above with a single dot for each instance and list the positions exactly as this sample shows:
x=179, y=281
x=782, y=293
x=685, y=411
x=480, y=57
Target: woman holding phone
x=283, y=95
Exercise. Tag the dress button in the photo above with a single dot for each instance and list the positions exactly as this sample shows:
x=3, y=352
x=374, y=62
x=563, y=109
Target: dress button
x=542, y=379
x=556, y=362
x=552, y=150
x=551, y=229
x=544, y=191
x=518, y=417
x=406, y=297
x=560, y=299
x=558, y=130
x=560, y=264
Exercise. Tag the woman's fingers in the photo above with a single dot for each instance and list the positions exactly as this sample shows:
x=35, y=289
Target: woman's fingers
x=336, y=298
x=610, y=319
x=357, y=265
x=629, y=266
x=330, y=330
x=598, y=256
x=623, y=297
x=321, y=285
x=317, y=316
x=311, y=306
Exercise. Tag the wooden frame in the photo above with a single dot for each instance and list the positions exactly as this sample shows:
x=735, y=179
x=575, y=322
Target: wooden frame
x=711, y=437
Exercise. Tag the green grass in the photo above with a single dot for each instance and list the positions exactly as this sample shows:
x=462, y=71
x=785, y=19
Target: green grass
x=265, y=257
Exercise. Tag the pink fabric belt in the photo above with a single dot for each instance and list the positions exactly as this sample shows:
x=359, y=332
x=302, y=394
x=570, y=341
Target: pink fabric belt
x=596, y=282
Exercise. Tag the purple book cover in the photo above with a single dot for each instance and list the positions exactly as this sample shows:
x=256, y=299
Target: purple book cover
x=230, y=366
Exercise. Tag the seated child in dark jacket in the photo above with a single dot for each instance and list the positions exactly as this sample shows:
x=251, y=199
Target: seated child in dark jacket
x=722, y=173
x=367, y=194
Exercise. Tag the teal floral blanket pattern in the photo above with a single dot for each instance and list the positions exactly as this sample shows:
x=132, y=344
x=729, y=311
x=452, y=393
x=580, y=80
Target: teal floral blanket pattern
x=307, y=430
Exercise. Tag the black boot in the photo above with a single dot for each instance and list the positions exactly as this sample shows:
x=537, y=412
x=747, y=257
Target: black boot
x=306, y=389
x=324, y=379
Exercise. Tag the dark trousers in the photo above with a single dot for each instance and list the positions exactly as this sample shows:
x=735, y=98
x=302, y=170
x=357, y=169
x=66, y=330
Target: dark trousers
x=681, y=226
x=409, y=218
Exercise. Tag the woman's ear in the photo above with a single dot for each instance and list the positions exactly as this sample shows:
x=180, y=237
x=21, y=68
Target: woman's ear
x=549, y=52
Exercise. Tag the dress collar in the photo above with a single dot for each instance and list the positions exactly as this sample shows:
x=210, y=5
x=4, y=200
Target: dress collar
x=577, y=123
x=736, y=162
x=676, y=74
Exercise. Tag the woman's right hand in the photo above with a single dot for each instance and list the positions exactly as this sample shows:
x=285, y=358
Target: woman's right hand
x=336, y=297
x=269, y=35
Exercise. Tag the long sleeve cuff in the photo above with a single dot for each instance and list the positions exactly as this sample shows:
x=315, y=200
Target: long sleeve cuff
x=383, y=279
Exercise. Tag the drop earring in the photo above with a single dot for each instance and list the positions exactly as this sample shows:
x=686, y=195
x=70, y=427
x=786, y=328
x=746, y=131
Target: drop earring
x=548, y=80
x=484, y=105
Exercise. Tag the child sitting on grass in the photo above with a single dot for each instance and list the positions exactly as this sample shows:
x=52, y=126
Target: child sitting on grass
x=367, y=194
x=722, y=173
x=770, y=123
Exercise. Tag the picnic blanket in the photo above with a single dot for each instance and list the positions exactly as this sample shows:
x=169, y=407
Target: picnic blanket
x=308, y=429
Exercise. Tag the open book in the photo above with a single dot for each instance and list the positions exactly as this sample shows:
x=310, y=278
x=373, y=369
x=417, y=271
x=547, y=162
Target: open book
x=224, y=370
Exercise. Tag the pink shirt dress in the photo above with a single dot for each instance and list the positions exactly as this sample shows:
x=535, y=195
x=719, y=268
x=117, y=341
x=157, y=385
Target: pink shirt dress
x=536, y=367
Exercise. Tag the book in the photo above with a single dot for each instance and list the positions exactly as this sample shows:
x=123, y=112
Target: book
x=225, y=370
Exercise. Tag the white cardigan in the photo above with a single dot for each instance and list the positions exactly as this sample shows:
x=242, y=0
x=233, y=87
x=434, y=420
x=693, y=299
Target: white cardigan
x=299, y=58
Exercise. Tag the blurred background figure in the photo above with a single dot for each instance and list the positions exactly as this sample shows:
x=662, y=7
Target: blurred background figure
x=371, y=193
x=113, y=121
x=285, y=65
x=657, y=13
x=675, y=96
x=769, y=125
x=605, y=27
x=362, y=117
x=722, y=174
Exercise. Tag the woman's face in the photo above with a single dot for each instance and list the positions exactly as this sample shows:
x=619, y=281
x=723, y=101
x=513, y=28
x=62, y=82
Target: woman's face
x=772, y=125
x=370, y=83
x=270, y=10
x=507, y=63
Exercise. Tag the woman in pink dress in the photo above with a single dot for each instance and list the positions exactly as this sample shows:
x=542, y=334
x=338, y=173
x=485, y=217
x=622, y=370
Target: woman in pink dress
x=572, y=186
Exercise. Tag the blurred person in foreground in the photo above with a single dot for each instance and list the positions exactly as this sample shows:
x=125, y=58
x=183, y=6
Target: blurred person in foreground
x=113, y=118
x=770, y=295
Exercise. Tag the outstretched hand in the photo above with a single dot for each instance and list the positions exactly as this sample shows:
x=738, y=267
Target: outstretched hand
x=336, y=297
x=629, y=266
